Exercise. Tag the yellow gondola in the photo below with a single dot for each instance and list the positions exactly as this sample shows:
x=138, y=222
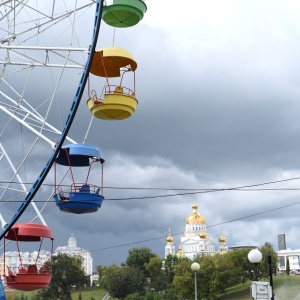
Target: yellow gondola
x=118, y=102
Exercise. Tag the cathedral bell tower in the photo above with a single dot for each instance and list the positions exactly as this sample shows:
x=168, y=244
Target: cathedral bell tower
x=170, y=248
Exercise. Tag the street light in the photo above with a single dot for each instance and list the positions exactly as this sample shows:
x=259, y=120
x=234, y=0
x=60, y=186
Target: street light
x=195, y=268
x=255, y=257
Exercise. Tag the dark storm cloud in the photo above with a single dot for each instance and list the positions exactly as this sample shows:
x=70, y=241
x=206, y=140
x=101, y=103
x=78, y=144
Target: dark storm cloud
x=218, y=108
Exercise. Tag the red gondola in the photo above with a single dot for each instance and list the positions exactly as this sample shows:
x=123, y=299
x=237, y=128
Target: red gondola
x=27, y=277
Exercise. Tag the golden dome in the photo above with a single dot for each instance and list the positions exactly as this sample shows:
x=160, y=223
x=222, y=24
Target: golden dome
x=222, y=239
x=203, y=235
x=180, y=253
x=195, y=206
x=170, y=239
x=195, y=217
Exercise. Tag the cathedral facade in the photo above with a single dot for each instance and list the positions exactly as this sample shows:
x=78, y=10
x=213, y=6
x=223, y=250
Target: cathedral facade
x=195, y=241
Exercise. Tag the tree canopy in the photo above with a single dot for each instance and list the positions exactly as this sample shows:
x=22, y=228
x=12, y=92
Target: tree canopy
x=122, y=281
x=67, y=272
x=138, y=258
x=145, y=276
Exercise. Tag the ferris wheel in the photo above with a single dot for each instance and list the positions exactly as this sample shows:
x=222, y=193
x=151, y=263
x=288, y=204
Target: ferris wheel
x=46, y=51
x=47, y=56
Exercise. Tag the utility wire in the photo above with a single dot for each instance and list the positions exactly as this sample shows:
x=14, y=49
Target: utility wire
x=210, y=226
x=176, y=189
x=170, y=195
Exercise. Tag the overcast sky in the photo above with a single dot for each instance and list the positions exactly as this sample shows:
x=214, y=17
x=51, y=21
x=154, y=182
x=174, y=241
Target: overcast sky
x=218, y=91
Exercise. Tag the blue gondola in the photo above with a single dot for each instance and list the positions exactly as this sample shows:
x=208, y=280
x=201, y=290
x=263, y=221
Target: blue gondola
x=79, y=197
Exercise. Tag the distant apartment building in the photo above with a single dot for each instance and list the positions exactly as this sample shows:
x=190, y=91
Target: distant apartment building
x=72, y=250
x=12, y=258
x=284, y=255
x=288, y=255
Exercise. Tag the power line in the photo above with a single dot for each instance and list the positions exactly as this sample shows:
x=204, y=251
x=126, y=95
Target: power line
x=172, y=188
x=210, y=226
x=172, y=195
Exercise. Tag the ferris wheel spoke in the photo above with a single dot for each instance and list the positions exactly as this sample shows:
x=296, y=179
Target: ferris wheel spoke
x=38, y=22
x=42, y=60
x=24, y=189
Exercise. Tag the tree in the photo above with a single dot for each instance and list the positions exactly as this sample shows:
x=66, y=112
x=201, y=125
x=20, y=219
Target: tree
x=243, y=268
x=100, y=270
x=67, y=272
x=170, y=262
x=208, y=278
x=183, y=281
x=122, y=281
x=138, y=258
x=158, y=278
x=288, y=269
x=267, y=249
x=154, y=266
x=227, y=274
x=134, y=296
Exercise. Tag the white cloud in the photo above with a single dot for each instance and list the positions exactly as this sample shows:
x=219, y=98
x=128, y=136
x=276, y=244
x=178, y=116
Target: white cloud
x=218, y=92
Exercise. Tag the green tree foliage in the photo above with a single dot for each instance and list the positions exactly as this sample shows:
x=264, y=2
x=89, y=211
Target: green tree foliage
x=67, y=272
x=242, y=266
x=157, y=277
x=138, y=258
x=208, y=278
x=169, y=263
x=183, y=281
x=288, y=269
x=172, y=278
x=227, y=274
x=100, y=270
x=247, y=270
x=150, y=295
x=134, y=296
x=267, y=249
x=153, y=268
x=212, y=278
x=122, y=281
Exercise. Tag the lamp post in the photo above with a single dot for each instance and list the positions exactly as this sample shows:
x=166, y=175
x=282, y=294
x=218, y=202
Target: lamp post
x=195, y=268
x=255, y=257
x=270, y=274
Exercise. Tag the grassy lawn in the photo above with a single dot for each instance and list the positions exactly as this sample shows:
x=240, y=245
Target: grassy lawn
x=86, y=293
x=240, y=292
x=286, y=288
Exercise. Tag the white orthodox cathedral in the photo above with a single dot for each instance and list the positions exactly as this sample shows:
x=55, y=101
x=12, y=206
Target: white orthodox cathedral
x=196, y=241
